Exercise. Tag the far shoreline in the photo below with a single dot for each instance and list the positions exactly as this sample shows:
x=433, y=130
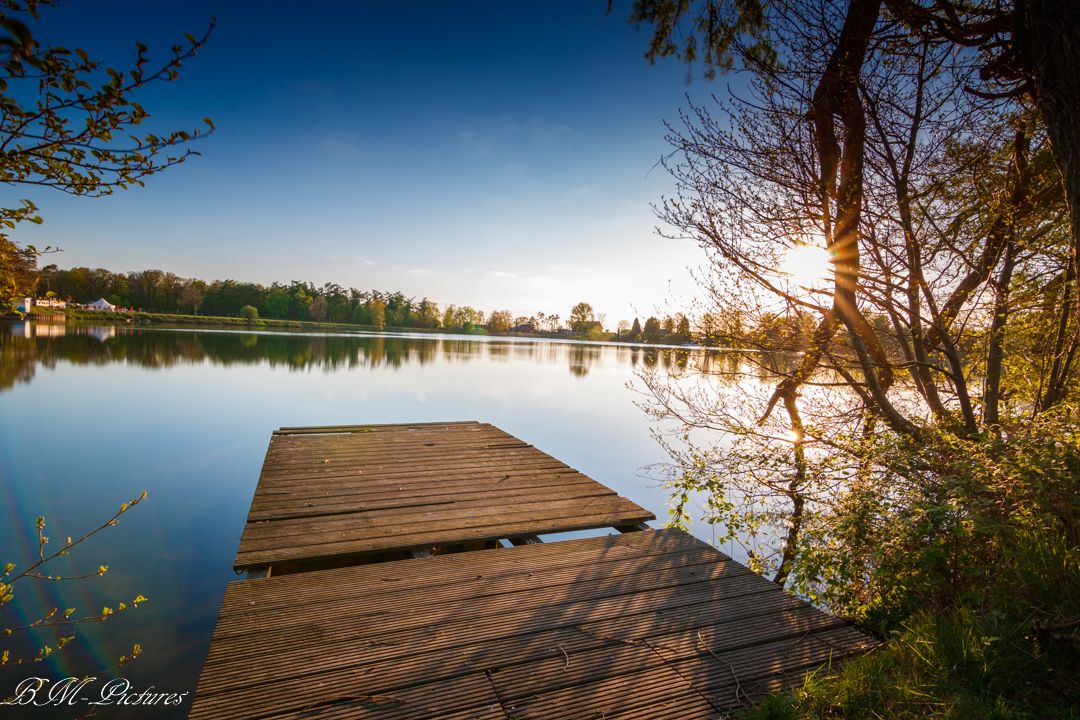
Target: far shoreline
x=234, y=323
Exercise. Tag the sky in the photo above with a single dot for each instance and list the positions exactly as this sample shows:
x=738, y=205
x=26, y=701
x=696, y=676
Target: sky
x=501, y=155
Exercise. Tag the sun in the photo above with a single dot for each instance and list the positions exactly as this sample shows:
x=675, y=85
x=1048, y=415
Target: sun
x=808, y=265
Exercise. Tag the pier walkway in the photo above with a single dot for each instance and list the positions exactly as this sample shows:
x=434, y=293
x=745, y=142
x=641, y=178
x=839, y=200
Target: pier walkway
x=639, y=625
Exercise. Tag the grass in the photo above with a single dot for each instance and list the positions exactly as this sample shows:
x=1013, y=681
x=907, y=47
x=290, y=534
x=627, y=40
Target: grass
x=940, y=667
x=989, y=661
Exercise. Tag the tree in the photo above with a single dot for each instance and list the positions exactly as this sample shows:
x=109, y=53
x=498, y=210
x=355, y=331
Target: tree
x=318, y=309
x=191, y=296
x=635, y=331
x=683, y=328
x=377, y=313
x=579, y=315
x=1025, y=50
x=622, y=327
x=652, y=328
x=428, y=314
x=249, y=313
x=945, y=221
x=277, y=303
x=500, y=321
x=65, y=140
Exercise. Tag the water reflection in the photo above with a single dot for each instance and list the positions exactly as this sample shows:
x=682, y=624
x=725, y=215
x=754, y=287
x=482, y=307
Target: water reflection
x=24, y=346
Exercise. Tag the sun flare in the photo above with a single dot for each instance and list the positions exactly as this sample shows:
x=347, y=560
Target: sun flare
x=808, y=265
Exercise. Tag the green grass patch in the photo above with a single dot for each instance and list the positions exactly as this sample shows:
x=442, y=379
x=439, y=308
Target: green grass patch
x=945, y=666
x=1013, y=656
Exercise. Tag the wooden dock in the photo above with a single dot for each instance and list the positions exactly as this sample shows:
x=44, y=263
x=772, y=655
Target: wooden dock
x=329, y=493
x=639, y=625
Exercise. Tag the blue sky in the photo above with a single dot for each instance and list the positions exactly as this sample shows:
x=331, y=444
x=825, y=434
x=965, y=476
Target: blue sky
x=493, y=154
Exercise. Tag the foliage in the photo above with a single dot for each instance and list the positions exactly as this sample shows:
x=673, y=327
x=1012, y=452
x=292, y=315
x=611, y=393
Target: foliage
x=249, y=313
x=65, y=620
x=948, y=268
x=377, y=313
x=890, y=249
x=319, y=309
x=500, y=321
x=581, y=317
x=652, y=329
x=934, y=523
x=68, y=138
x=994, y=662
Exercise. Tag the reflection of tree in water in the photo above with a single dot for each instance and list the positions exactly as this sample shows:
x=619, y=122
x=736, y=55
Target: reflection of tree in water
x=159, y=349
x=17, y=358
x=582, y=357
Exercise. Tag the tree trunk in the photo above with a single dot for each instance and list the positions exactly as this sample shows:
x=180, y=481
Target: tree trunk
x=996, y=353
x=1052, y=29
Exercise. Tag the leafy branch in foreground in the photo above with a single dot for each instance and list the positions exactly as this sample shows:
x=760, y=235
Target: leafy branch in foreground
x=67, y=138
x=55, y=618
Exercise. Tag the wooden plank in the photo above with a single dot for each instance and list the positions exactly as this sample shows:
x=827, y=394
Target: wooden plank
x=629, y=612
x=346, y=481
x=656, y=691
x=387, y=577
x=449, y=466
x=531, y=589
x=403, y=541
x=556, y=673
x=396, y=427
x=353, y=526
x=233, y=662
x=730, y=679
x=380, y=621
x=469, y=697
x=323, y=506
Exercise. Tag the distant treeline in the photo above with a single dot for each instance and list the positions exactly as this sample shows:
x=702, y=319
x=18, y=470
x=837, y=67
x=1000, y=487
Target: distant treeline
x=164, y=292
x=157, y=291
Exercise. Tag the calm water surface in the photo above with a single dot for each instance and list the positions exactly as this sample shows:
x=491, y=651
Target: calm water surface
x=92, y=416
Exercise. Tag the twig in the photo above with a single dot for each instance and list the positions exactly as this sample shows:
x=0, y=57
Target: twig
x=123, y=659
x=738, y=686
x=567, y=666
x=42, y=541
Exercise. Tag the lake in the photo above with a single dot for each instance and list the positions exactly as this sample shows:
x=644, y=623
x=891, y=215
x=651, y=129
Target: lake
x=92, y=416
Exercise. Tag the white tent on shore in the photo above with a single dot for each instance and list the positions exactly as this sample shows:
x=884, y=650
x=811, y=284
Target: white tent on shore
x=102, y=304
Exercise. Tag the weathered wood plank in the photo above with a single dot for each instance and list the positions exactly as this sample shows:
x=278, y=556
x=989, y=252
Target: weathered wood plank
x=337, y=491
x=393, y=427
x=407, y=541
x=315, y=506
